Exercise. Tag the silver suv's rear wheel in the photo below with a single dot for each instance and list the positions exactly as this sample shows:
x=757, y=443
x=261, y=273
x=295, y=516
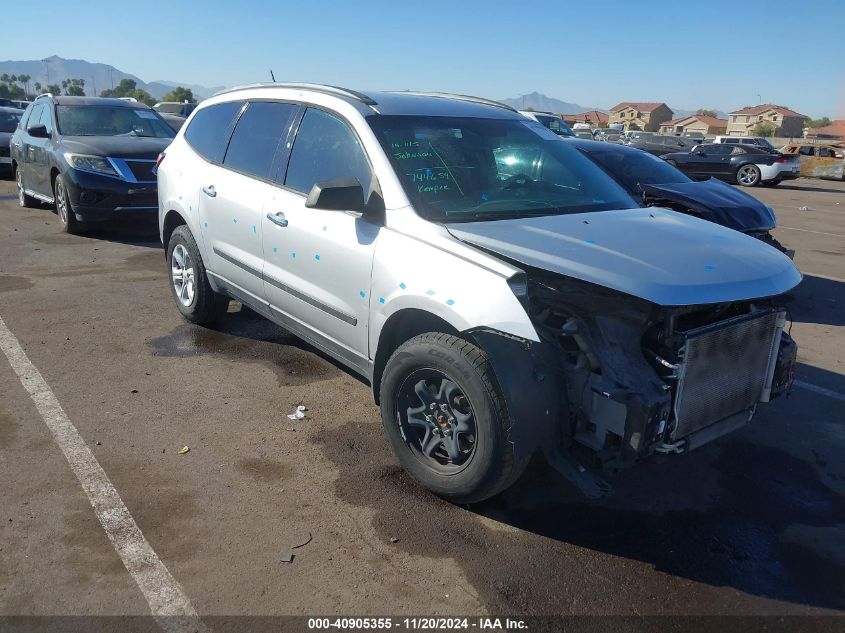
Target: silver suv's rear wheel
x=194, y=297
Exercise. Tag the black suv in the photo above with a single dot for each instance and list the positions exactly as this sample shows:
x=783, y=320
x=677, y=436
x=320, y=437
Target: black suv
x=95, y=158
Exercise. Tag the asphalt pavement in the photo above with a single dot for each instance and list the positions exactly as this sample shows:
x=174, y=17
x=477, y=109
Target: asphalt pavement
x=264, y=515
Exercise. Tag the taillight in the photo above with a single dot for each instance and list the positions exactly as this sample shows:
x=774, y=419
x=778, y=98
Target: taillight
x=159, y=159
x=783, y=159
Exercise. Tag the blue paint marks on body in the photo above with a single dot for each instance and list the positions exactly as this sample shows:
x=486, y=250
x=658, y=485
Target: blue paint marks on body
x=709, y=267
x=317, y=257
x=253, y=228
x=275, y=249
x=450, y=302
x=402, y=285
x=362, y=294
x=590, y=241
x=381, y=299
x=234, y=220
x=293, y=255
x=430, y=293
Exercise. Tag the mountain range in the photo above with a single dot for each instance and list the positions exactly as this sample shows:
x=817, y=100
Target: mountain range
x=98, y=77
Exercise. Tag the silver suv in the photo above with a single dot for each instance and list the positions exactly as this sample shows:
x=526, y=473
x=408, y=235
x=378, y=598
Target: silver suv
x=499, y=292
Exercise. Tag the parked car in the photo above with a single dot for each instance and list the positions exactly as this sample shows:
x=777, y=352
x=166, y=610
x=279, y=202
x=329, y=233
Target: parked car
x=746, y=165
x=744, y=140
x=610, y=135
x=174, y=120
x=93, y=157
x=659, y=145
x=819, y=161
x=552, y=121
x=636, y=135
x=9, y=119
x=654, y=182
x=500, y=292
x=175, y=108
x=584, y=134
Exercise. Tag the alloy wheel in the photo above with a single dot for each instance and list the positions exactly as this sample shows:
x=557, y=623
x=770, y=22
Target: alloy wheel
x=61, y=203
x=436, y=420
x=182, y=274
x=19, y=180
x=747, y=175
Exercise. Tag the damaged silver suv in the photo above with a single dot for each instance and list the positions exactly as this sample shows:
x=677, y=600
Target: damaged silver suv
x=500, y=293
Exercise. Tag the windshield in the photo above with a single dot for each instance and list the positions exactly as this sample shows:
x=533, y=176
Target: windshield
x=763, y=143
x=555, y=124
x=637, y=168
x=169, y=108
x=465, y=169
x=111, y=121
x=9, y=121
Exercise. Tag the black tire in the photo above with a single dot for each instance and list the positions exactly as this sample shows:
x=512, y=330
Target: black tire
x=204, y=305
x=748, y=175
x=491, y=466
x=23, y=199
x=64, y=208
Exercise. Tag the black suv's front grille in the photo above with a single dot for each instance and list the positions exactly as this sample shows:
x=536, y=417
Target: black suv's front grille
x=142, y=170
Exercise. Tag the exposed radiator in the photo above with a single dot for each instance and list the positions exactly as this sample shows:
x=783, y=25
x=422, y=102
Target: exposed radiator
x=725, y=368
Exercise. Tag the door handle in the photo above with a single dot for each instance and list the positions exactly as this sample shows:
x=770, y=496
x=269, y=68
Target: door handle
x=278, y=219
x=209, y=191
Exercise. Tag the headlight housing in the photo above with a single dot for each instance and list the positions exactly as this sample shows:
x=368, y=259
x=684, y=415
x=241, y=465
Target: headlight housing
x=93, y=164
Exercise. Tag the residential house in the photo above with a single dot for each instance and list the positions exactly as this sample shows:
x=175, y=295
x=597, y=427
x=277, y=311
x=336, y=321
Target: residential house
x=786, y=122
x=594, y=118
x=836, y=130
x=698, y=123
x=640, y=116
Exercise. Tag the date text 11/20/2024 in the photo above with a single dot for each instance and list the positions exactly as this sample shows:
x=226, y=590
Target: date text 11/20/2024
x=418, y=624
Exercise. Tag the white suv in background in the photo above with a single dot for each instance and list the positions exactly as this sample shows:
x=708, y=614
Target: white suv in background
x=497, y=289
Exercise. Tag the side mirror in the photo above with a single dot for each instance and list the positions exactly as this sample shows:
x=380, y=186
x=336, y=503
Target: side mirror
x=38, y=131
x=338, y=194
x=700, y=152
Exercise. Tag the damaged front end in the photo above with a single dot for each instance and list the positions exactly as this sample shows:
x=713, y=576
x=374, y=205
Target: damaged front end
x=642, y=378
x=625, y=378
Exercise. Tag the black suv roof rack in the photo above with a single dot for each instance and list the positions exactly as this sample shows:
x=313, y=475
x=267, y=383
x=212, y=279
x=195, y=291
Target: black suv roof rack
x=325, y=89
x=459, y=97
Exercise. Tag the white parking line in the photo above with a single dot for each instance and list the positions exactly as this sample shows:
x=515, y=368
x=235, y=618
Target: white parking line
x=820, y=390
x=792, y=228
x=168, y=603
x=812, y=274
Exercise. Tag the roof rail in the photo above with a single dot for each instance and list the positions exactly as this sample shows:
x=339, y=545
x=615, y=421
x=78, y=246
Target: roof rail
x=449, y=95
x=325, y=89
x=44, y=94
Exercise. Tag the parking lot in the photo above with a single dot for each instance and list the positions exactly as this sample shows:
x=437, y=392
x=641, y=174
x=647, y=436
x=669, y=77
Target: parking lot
x=753, y=524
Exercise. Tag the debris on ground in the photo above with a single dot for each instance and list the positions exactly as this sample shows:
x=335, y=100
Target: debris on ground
x=804, y=208
x=134, y=391
x=298, y=414
x=98, y=443
x=303, y=543
x=183, y=450
x=393, y=539
x=287, y=557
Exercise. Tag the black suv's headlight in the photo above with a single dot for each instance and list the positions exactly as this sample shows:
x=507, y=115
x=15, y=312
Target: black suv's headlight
x=94, y=164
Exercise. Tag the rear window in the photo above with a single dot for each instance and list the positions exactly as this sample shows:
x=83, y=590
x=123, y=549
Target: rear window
x=257, y=136
x=210, y=128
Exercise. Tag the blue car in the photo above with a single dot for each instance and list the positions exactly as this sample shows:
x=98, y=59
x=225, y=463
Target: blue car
x=654, y=182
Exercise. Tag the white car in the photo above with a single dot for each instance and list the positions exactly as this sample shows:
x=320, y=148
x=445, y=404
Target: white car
x=499, y=291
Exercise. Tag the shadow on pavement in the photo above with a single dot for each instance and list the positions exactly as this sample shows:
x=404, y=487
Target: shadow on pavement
x=818, y=300
x=813, y=188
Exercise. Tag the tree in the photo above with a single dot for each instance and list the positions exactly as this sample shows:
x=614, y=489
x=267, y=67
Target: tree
x=24, y=79
x=54, y=89
x=822, y=122
x=37, y=86
x=705, y=112
x=75, y=88
x=64, y=85
x=4, y=78
x=180, y=95
x=127, y=88
x=763, y=129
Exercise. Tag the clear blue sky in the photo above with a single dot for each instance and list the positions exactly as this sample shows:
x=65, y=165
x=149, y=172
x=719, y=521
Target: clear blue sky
x=718, y=53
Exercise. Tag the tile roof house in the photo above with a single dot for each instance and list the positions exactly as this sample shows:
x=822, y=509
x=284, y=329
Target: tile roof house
x=786, y=122
x=634, y=115
x=706, y=125
x=595, y=118
x=836, y=130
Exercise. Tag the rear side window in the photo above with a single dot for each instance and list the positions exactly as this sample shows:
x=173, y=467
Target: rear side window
x=209, y=130
x=257, y=136
x=325, y=148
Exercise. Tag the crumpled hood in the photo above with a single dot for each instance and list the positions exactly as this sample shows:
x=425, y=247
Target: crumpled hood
x=116, y=146
x=718, y=202
x=661, y=256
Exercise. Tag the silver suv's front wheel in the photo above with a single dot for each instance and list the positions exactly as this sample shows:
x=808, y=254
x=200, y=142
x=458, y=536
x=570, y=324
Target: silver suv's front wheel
x=189, y=285
x=446, y=418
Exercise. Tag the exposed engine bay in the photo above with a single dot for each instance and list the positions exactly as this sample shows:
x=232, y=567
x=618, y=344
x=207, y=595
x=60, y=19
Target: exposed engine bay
x=640, y=378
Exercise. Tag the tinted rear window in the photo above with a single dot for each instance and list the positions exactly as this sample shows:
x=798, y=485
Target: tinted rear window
x=9, y=121
x=257, y=136
x=209, y=130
